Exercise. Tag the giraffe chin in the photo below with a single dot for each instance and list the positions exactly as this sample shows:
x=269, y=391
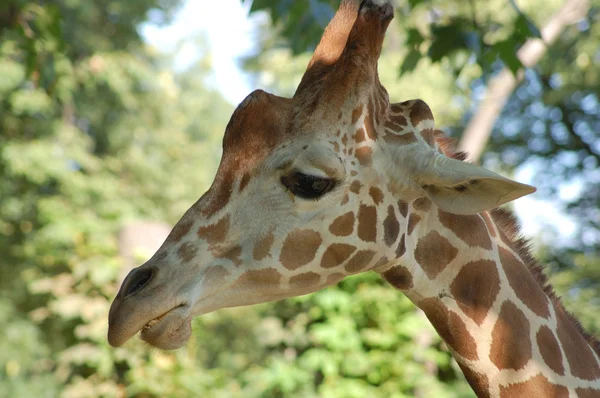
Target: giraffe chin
x=168, y=332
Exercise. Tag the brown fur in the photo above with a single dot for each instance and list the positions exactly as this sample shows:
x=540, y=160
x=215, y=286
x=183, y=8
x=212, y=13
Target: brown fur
x=509, y=226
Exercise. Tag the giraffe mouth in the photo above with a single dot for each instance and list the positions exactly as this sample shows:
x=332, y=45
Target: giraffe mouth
x=170, y=330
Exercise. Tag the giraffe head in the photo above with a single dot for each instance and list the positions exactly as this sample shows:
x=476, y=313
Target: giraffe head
x=309, y=190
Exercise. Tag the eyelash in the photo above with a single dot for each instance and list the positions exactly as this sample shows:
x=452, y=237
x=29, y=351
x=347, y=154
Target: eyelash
x=303, y=185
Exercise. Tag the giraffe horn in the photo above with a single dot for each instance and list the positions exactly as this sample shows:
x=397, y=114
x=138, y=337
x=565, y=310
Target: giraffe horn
x=352, y=40
x=332, y=42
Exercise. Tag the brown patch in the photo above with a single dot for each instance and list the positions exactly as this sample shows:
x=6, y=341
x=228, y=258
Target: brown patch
x=511, y=344
x=376, y=195
x=579, y=354
x=187, y=252
x=334, y=278
x=539, y=386
x=422, y=204
x=336, y=254
x=550, y=350
x=359, y=261
x=381, y=262
x=179, y=231
x=391, y=227
x=470, y=229
x=343, y=225
x=263, y=247
x=428, y=136
x=508, y=225
x=215, y=233
x=401, y=247
x=370, y=126
x=392, y=127
x=355, y=186
x=434, y=253
x=258, y=278
x=345, y=140
x=360, y=136
x=215, y=274
x=305, y=280
x=397, y=122
x=299, y=248
x=397, y=139
x=475, y=288
x=419, y=111
x=403, y=208
x=160, y=255
x=450, y=327
x=523, y=284
x=488, y=224
x=399, y=277
x=364, y=156
x=345, y=200
x=478, y=382
x=233, y=254
x=356, y=113
x=587, y=392
x=336, y=147
x=398, y=107
x=413, y=220
x=220, y=192
x=244, y=182
x=367, y=223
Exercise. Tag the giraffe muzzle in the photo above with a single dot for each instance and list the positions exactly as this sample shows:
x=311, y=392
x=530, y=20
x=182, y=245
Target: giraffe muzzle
x=164, y=324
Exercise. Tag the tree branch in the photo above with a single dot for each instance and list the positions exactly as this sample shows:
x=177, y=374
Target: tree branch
x=501, y=86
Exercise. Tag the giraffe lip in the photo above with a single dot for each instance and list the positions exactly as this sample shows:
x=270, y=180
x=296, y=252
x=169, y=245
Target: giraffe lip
x=170, y=330
x=153, y=322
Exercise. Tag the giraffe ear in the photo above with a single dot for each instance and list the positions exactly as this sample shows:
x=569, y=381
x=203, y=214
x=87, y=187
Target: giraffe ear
x=463, y=188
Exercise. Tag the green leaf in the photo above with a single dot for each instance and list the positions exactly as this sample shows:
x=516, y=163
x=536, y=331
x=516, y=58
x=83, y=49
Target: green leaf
x=413, y=37
x=507, y=51
x=526, y=28
x=524, y=24
x=414, y=3
x=410, y=62
x=447, y=39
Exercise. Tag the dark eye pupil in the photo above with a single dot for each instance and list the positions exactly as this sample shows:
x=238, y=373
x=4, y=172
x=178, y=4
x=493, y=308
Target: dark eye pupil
x=307, y=186
x=320, y=185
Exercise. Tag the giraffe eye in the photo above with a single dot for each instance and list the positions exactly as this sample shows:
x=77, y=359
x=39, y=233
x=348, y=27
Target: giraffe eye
x=306, y=186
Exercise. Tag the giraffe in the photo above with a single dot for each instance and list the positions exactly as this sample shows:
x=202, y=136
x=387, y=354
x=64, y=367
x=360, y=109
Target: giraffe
x=337, y=181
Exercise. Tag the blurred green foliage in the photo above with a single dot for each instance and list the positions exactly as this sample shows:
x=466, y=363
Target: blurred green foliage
x=97, y=132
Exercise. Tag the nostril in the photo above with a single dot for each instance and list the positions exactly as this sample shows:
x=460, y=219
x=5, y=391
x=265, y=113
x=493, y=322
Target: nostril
x=138, y=280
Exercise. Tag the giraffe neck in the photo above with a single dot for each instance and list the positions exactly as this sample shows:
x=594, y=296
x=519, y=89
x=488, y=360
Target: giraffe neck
x=510, y=335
